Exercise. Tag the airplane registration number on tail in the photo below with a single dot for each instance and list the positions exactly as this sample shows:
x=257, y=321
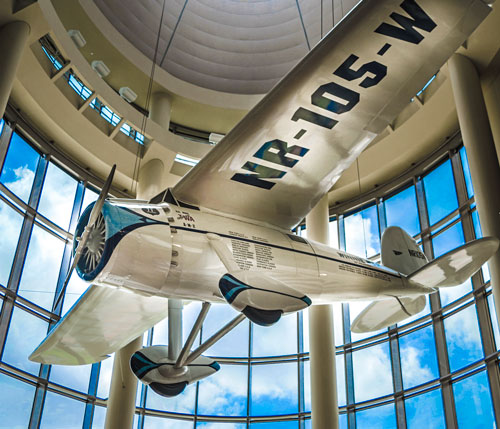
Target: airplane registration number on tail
x=333, y=97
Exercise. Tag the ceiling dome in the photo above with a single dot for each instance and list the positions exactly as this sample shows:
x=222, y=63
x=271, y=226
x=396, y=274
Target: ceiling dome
x=235, y=46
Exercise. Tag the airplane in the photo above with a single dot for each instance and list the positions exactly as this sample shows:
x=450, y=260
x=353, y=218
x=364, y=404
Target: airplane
x=223, y=233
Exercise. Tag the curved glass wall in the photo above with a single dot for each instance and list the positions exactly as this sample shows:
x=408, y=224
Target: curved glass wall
x=438, y=369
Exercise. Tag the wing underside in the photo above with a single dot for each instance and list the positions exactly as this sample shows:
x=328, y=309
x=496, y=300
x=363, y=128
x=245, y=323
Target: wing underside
x=292, y=147
x=102, y=321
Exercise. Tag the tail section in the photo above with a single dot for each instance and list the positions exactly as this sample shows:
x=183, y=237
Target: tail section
x=400, y=252
x=381, y=314
x=457, y=266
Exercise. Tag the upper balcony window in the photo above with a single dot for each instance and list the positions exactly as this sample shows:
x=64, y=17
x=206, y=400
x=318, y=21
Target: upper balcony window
x=105, y=112
x=77, y=85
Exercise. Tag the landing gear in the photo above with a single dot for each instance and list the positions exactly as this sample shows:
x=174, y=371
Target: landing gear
x=168, y=371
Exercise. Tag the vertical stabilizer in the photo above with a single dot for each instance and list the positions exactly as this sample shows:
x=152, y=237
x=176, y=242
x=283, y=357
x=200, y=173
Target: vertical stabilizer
x=400, y=252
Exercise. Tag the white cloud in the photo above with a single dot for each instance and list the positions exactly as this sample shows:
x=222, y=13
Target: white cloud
x=279, y=339
x=275, y=381
x=462, y=329
x=22, y=185
x=225, y=392
x=412, y=361
x=372, y=372
x=58, y=194
x=358, y=233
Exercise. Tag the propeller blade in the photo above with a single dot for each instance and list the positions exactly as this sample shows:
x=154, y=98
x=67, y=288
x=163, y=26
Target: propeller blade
x=94, y=215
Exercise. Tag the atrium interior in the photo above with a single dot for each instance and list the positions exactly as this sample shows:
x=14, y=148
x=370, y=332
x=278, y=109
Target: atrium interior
x=153, y=88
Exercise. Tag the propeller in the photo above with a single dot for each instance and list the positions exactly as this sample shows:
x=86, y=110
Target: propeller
x=91, y=224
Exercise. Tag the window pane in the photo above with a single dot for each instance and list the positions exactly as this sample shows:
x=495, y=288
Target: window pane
x=448, y=240
x=235, y=343
x=477, y=225
x=58, y=196
x=274, y=389
x=463, y=338
x=58, y=409
x=418, y=357
x=105, y=377
x=451, y=294
x=372, y=372
x=465, y=166
x=279, y=339
x=26, y=332
x=162, y=423
x=88, y=197
x=221, y=425
x=440, y=192
x=41, y=268
x=494, y=320
x=16, y=398
x=333, y=234
x=10, y=228
x=183, y=403
x=19, y=167
x=225, y=392
x=401, y=210
x=473, y=402
x=76, y=287
x=362, y=233
x=75, y=376
x=275, y=425
x=99, y=417
x=383, y=417
x=432, y=418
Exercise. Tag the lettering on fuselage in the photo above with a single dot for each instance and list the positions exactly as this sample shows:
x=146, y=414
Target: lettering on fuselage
x=248, y=255
x=366, y=272
x=186, y=219
x=353, y=258
x=283, y=154
x=416, y=254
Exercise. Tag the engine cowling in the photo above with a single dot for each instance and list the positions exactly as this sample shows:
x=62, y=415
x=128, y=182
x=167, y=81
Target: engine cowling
x=125, y=249
x=260, y=297
x=152, y=366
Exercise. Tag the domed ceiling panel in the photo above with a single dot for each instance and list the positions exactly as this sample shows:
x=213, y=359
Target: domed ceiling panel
x=234, y=46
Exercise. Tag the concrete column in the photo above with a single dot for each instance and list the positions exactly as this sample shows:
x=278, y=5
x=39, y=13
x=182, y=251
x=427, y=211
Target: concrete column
x=160, y=109
x=481, y=153
x=13, y=38
x=150, y=179
x=324, y=402
x=491, y=92
x=123, y=390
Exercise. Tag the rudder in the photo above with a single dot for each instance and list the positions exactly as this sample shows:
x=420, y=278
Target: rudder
x=400, y=252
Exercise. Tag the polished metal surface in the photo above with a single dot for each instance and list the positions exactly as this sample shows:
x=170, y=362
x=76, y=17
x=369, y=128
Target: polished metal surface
x=291, y=148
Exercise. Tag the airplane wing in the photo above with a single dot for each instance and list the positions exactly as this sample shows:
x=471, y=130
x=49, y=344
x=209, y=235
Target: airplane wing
x=295, y=143
x=102, y=321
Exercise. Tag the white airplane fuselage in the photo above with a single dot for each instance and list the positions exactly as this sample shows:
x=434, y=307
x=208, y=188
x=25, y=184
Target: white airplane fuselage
x=170, y=255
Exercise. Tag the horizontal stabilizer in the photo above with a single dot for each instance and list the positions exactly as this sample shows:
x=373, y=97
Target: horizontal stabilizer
x=101, y=322
x=457, y=266
x=381, y=314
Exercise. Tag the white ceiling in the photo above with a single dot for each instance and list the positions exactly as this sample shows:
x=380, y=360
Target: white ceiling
x=235, y=46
